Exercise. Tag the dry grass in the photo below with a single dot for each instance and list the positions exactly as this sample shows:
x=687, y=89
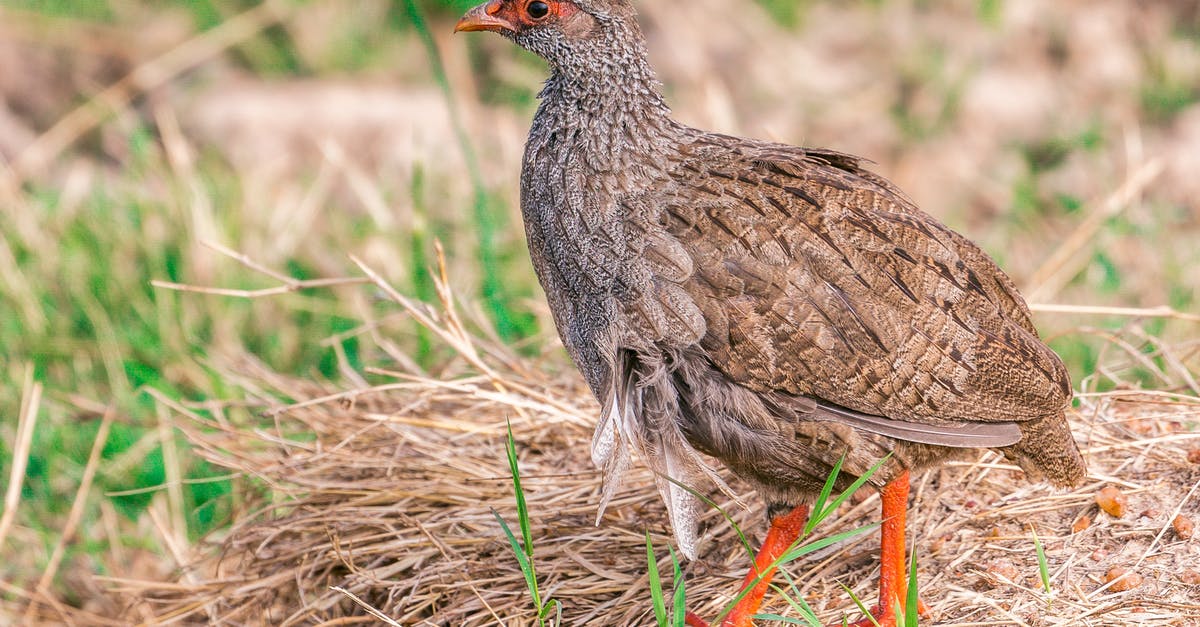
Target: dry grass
x=378, y=498
x=1063, y=136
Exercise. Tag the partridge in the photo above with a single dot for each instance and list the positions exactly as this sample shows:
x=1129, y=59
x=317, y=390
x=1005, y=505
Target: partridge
x=777, y=308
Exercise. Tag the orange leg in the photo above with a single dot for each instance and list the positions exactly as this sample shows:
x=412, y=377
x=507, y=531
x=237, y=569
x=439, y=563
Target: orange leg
x=784, y=531
x=893, y=580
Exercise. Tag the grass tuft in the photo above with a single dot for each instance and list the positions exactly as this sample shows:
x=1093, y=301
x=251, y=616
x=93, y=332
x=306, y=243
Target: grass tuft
x=1043, y=566
x=523, y=549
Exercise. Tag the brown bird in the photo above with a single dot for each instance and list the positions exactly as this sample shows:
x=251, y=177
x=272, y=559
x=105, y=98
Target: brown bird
x=776, y=308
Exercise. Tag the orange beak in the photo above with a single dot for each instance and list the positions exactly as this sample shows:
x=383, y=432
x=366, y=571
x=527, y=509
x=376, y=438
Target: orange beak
x=485, y=17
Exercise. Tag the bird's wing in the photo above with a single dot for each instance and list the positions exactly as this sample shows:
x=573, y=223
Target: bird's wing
x=817, y=278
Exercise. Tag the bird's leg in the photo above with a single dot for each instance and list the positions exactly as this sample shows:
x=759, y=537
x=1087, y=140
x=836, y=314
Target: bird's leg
x=784, y=531
x=893, y=580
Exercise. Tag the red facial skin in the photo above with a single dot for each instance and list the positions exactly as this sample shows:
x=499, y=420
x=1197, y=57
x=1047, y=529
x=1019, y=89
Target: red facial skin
x=511, y=15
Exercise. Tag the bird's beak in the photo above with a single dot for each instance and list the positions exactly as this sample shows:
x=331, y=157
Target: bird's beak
x=485, y=17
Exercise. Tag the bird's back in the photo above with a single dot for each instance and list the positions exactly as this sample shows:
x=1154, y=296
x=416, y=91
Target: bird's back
x=799, y=276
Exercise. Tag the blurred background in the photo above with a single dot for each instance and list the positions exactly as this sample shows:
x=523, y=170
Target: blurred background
x=1063, y=136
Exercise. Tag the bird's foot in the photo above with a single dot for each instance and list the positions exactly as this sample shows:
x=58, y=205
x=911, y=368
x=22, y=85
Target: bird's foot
x=693, y=620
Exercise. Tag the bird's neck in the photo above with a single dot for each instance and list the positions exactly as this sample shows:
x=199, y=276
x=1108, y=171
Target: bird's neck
x=616, y=114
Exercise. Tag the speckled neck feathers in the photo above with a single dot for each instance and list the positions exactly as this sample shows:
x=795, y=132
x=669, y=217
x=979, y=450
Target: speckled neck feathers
x=602, y=104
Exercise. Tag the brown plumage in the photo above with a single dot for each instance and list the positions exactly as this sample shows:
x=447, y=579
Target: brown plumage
x=774, y=307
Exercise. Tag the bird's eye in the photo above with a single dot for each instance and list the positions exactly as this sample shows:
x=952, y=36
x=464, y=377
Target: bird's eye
x=537, y=10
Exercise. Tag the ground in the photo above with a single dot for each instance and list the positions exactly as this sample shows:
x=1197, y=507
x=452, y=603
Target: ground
x=390, y=494
x=156, y=158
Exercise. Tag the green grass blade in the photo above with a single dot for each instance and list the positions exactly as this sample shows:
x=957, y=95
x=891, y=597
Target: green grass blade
x=485, y=218
x=781, y=619
x=1043, y=566
x=656, y=593
x=826, y=490
x=862, y=608
x=679, y=603
x=797, y=602
x=820, y=516
x=522, y=510
x=817, y=516
x=815, y=545
x=523, y=560
x=790, y=556
x=913, y=602
x=552, y=604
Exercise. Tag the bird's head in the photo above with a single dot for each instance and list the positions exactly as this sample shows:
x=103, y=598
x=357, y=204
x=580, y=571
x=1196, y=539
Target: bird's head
x=569, y=34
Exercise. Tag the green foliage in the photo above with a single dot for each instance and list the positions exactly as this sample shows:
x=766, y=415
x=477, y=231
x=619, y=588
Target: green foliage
x=788, y=13
x=678, y=616
x=990, y=11
x=87, y=320
x=1032, y=202
x=447, y=8
x=496, y=294
x=1049, y=153
x=860, y=605
x=656, y=592
x=912, y=601
x=523, y=548
x=1043, y=566
x=91, y=10
x=1166, y=92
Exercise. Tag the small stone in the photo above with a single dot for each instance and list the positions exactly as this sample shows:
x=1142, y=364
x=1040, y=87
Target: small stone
x=1122, y=579
x=1190, y=576
x=1099, y=554
x=1149, y=513
x=1112, y=501
x=1083, y=523
x=1183, y=527
x=1194, y=456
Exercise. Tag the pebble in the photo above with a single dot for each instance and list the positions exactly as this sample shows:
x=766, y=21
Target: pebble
x=1113, y=501
x=1123, y=578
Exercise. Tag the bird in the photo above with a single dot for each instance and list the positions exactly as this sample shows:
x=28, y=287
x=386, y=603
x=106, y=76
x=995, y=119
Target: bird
x=779, y=309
